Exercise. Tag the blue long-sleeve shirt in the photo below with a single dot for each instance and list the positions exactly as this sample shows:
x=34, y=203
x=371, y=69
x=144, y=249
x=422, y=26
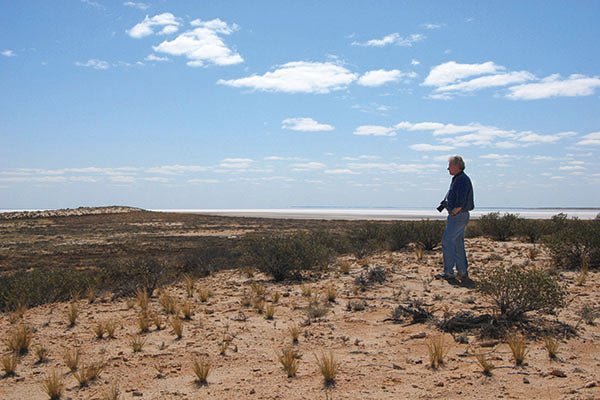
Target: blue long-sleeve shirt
x=460, y=193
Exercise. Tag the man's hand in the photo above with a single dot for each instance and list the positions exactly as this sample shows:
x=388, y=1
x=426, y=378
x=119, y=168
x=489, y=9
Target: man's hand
x=455, y=211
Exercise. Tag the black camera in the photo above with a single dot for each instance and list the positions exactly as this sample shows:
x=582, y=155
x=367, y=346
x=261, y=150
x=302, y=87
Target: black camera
x=442, y=205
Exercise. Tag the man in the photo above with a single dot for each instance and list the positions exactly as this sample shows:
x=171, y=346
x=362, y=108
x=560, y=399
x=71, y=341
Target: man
x=458, y=202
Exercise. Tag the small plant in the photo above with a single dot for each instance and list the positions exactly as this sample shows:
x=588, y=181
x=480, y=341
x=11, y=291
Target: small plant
x=588, y=314
x=112, y=393
x=269, y=311
x=275, y=297
x=71, y=359
x=294, y=331
x=356, y=305
x=316, y=309
x=518, y=347
x=187, y=310
x=306, y=291
x=88, y=373
x=41, y=354
x=137, y=343
x=328, y=367
x=583, y=272
x=258, y=290
x=533, y=253
x=177, y=326
x=99, y=329
x=203, y=294
x=331, y=293
x=167, y=302
x=419, y=253
x=345, y=267
x=438, y=348
x=19, y=339
x=110, y=326
x=551, y=346
x=90, y=295
x=53, y=385
x=9, y=364
x=141, y=296
x=289, y=360
x=157, y=321
x=72, y=314
x=485, y=364
x=246, y=300
x=189, y=284
x=201, y=369
x=259, y=305
x=143, y=321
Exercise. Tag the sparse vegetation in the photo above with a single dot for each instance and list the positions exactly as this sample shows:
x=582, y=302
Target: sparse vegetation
x=499, y=227
x=427, y=234
x=294, y=331
x=551, y=346
x=269, y=311
x=72, y=314
x=518, y=348
x=71, y=359
x=588, y=314
x=41, y=354
x=88, y=373
x=53, y=385
x=203, y=294
x=201, y=369
x=137, y=343
x=575, y=242
x=486, y=365
x=330, y=293
x=438, y=348
x=9, y=364
x=19, y=339
x=189, y=284
x=289, y=360
x=328, y=366
x=177, y=326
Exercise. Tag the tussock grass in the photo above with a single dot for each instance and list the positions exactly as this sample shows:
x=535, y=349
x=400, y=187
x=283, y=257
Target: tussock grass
x=203, y=294
x=419, y=253
x=71, y=359
x=246, y=299
x=99, y=329
x=19, y=339
x=110, y=326
x=167, y=302
x=289, y=360
x=583, y=272
x=201, y=369
x=187, y=310
x=177, y=326
x=345, y=267
x=259, y=305
x=328, y=366
x=157, y=321
x=88, y=373
x=72, y=314
x=306, y=291
x=9, y=364
x=90, y=295
x=275, y=297
x=294, y=331
x=518, y=347
x=330, y=293
x=258, y=290
x=551, y=346
x=486, y=365
x=189, y=284
x=269, y=311
x=316, y=309
x=142, y=298
x=137, y=343
x=112, y=393
x=143, y=321
x=53, y=385
x=438, y=348
x=17, y=315
x=41, y=354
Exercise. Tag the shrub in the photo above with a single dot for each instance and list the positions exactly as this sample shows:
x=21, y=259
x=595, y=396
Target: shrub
x=438, y=348
x=126, y=276
x=366, y=238
x=427, y=233
x=515, y=291
x=499, y=227
x=533, y=229
x=289, y=360
x=576, y=242
x=53, y=385
x=328, y=366
x=201, y=369
x=518, y=348
x=286, y=257
x=18, y=339
x=399, y=235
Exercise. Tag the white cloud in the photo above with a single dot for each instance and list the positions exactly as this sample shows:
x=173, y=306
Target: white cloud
x=452, y=71
x=414, y=61
x=488, y=81
x=122, y=179
x=176, y=169
x=298, y=77
x=157, y=179
x=200, y=181
x=537, y=138
x=167, y=21
x=430, y=147
x=374, y=130
x=393, y=167
x=203, y=44
x=438, y=128
x=8, y=53
x=571, y=168
x=393, y=38
x=340, y=171
x=497, y=157
x=554, y=86
x=591, y=139
x=132, y=4
x=379, y=77
x=305, y=125
x=236, y=163
x=94, y=63
x=432, y=26
x=154, y=57
x=309, y=166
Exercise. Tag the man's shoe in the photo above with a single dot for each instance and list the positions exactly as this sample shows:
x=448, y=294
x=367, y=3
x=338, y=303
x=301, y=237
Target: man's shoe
x=444, y=277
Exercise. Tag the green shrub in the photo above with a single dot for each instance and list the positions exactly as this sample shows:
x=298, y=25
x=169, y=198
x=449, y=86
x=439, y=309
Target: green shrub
x=285, y=257
x=515, y=291
x=575, y=242
x=399, y=235
x=499, y=227
x=124, y=277
x=368, y=237
x=427, y=233
x=533, y=229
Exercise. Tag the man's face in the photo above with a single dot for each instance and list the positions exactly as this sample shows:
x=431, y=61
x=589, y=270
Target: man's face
x=453, y=169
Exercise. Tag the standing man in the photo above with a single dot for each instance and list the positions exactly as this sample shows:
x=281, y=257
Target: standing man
x=458, y=202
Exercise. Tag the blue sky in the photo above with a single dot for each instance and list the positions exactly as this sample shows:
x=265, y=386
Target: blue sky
x=268, y=104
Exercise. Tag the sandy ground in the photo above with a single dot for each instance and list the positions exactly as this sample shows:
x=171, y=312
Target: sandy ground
x=377, y=358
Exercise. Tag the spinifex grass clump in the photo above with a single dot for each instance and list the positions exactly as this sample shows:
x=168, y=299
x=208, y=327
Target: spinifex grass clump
x=71, y=359
x=516, y=290
x=41, y=354
x=177, y=326
x=294, y=331
x=189, y=284
x=72, y=314
x=137, y=343
x=203, y=294
x=551, y=346
x=328, y=366
x=518, y=348
x=201, y=369
x=330, y=293
x=53, y=385
x=19, y=339
x=167, y=302
x=269, y=311
x=9, y=364
x=187, y=310
x=486, y=365
x=438, y=348
x=88, y=373
x=289, y=360
x=141, y=296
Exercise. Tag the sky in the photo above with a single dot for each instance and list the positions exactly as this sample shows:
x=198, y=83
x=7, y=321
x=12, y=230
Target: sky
x=275, y=104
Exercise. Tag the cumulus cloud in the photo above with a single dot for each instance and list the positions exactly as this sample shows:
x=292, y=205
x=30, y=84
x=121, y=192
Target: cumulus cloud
x=340, y=171
x=166, y=21
x=379, y=77
x=591, y=139
x=488, y=81
x=176, y=169
x=452, y=71
x=94, y=63
x=432, y=26
x=392, y=167
x=308, y=166
x=393, y=38
x=203, y=44
x=154, y=57
x=554, y=86
x=236, y=163
x=8, y=53
x=374, y=130
x=430, y=147
x=140, y=6
x=305, y=125
x=298, y=77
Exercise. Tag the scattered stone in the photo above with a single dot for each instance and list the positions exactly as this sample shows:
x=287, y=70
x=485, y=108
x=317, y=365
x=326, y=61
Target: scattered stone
x=590, y=385
x=526, y=381
x=419, y=335
x=558, y=373
x=439, y=384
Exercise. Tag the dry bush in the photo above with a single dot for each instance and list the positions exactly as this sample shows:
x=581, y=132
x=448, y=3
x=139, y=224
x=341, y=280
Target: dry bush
x=275, y=297
x=201, y=369
x=289, y=360
x=328, y=366
x=99, y=329
x=137, y=343
x=316, y=309
x=41, y=354
x=189, y=284
x=345, y=267
x=177, y=326
x=258, y=304
x=9, y=364
x=167, y=302
x=499, y=227
x=246, y=299
x=187, y=310
x=427, y=234
x=588, y=314
x=258, y=290
x=518, y=347
x=269, y=311
x=110, y=326
x=112, y=393
x=71, y=359
x=203, y=294
x=356, y=305
x=90, y=295
x=575, y=241
x=583, y=272
x=72, y=314
x=331, y=293
x=533, y=253
x=88, y=373
x=485, y=364
x=419, y=253
x=19, y=339
x=294, y=331
x=53, y=385
x=143, y=321
x=438, y=348
x=306, y=290
x=142, y=299
x=17, y=315
x=551, y=346
x=157, y=321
